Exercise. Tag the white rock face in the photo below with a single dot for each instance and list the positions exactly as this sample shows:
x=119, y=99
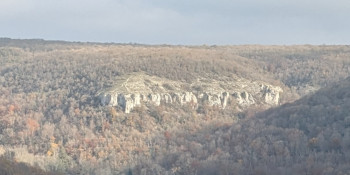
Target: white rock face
x=144, y=98
x=155, y=98
x=215, y=99
x=177, y=98
x=166, y=98
x=128, y=101
x=138, y=89
x=224, y=99
x=188, y=97
x=136, y=99
x=244, y=98
x=271, y=94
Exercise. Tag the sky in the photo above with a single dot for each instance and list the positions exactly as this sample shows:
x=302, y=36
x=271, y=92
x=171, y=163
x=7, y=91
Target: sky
x=185, y=22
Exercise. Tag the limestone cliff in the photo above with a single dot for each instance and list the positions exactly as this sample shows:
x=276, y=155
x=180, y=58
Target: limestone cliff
x=136, y=89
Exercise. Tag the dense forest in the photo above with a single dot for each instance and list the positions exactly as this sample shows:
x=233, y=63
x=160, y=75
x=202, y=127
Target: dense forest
x=51, y=118
x=308, y=136
x=11, y=167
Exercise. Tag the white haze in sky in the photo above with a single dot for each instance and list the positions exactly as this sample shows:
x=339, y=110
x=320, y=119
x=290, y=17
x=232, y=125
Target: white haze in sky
x=179, y=21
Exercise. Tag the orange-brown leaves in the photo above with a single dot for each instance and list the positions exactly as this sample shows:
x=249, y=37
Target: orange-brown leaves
x=113, y=112
x=76, y=111
x=32, y=125
x=12, y=108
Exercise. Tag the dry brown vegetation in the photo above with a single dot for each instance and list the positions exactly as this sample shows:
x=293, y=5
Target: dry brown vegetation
x=48, y=107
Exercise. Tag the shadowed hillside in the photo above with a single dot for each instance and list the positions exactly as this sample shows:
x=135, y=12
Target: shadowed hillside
x=8, y=167
x=309, y=136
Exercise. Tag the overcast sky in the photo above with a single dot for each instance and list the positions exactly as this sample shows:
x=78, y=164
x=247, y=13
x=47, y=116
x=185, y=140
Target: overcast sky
x=190, y=22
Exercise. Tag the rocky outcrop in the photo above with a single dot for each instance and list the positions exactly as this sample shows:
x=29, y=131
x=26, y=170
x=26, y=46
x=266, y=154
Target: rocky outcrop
x=135, y=89
x=166, y=98
x=127, y=102
x=224, y=99
x=155, y=99
x=271, y=94
x=215, y=99
x=244, y=98
x=185, y=97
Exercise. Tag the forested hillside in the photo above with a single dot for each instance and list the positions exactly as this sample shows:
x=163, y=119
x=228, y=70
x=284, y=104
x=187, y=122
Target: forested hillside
x=309, y=136
x=51, y=117
x=11, y=167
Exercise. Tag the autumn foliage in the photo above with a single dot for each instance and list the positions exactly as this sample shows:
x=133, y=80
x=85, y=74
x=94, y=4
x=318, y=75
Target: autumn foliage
x=32, y=125
x=49, y=107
